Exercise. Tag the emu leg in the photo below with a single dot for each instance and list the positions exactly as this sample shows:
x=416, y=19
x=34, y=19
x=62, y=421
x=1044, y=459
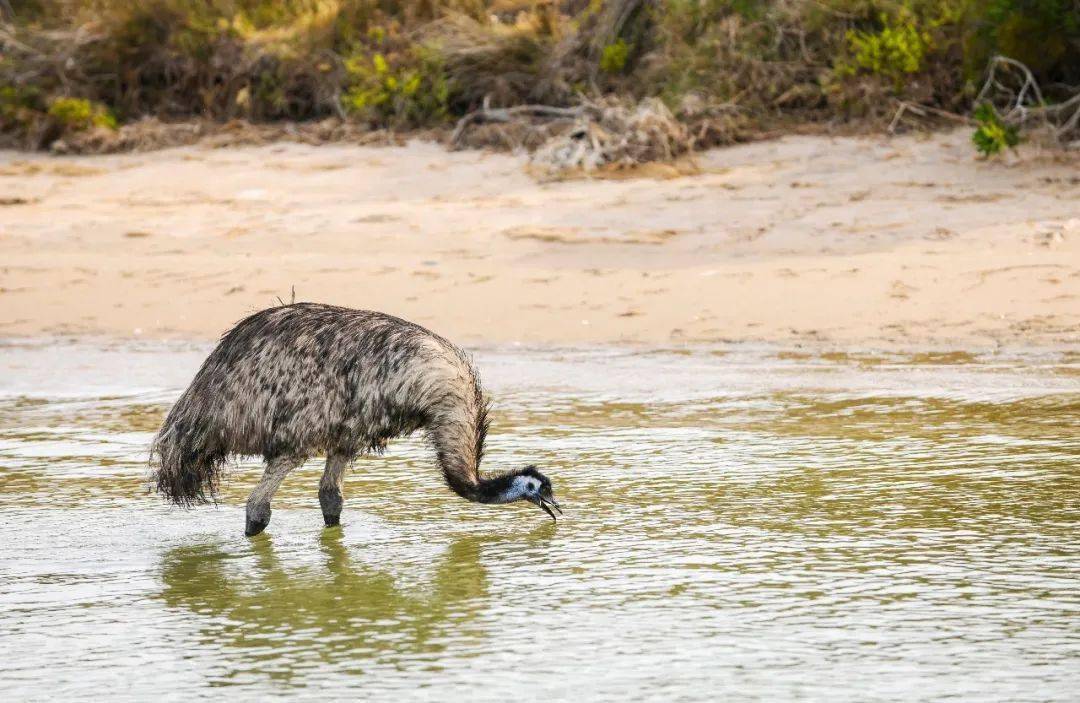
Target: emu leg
x=258, y=504
x=330, y=497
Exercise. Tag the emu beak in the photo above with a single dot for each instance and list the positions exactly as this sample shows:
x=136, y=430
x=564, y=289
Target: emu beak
x=545, y=501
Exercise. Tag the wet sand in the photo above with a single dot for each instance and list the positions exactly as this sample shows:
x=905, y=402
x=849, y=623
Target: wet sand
x=834, y=242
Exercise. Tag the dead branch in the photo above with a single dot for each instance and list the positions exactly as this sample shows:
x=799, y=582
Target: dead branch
x=506, y=114
x=923, y=111
x=616, y=134
x=1012, y=89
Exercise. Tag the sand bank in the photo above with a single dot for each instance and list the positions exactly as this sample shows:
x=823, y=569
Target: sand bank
x=849, y=242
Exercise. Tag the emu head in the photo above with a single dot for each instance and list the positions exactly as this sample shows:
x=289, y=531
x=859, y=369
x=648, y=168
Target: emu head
x=533, y=486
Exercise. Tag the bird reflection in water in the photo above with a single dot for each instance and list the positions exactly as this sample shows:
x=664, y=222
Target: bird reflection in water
x=280, y=621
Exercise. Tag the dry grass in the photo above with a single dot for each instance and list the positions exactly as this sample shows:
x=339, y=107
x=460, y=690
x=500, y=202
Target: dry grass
x=724, y=70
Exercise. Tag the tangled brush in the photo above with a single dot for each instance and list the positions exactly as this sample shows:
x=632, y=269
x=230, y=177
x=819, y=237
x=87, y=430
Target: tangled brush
x=611, y=134
x=616, y=135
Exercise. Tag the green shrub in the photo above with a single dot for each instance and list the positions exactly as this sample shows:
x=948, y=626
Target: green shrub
x=992, y=135
x=410, y=64
x=898, y=49
x=16, y=104
x=412, y=92
x=733, y=50
x=614, y=56
x=1043, y=34
x=78, y=114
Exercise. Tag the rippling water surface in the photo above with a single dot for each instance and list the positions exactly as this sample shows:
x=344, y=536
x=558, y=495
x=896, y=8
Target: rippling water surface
x=740, y=524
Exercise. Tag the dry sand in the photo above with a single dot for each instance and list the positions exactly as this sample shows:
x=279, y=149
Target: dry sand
x=843, y=242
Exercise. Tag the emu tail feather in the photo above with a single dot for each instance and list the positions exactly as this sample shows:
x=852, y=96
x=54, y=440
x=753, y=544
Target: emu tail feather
x=187, y=458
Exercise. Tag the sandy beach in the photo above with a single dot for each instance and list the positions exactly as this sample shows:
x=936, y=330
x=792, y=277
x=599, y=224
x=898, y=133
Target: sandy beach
x=906, y=242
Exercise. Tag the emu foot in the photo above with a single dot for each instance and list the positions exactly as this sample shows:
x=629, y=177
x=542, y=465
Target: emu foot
x=331, y=502
x=255, y=525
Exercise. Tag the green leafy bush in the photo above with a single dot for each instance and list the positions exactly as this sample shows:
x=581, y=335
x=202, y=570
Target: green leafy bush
x=761, y=64
x=16, y=105
x=77, y=114
x=412, y=92
x=898, y=49
x=991, y=134
x=614, y=56
x=1043, y=34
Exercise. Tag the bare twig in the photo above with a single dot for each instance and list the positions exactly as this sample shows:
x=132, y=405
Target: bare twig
x=991, y=80
x=1025, y=103
x=506, y=114
x=922, y=111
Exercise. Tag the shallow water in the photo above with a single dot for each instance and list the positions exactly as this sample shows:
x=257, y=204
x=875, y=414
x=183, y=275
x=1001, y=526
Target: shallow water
x=742, y=523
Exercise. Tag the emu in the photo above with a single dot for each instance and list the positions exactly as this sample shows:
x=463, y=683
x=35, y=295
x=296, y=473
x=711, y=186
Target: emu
x=300, y=380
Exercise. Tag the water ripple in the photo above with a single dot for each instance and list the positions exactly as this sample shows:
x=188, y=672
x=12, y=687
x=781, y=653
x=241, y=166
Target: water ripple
x=745, y=525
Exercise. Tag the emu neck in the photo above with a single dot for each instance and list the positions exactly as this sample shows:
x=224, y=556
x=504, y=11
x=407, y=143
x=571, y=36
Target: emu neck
x=498, y=489
x=458, y=437
x=471, y=486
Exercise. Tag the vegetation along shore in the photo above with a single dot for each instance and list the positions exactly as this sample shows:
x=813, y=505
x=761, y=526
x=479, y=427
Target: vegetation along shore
x=631, y=80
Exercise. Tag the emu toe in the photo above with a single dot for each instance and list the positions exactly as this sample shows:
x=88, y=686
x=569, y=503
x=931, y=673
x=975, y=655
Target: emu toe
x=254, y=527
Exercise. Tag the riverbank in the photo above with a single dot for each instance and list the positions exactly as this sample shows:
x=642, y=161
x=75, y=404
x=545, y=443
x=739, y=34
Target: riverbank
x=836, y=242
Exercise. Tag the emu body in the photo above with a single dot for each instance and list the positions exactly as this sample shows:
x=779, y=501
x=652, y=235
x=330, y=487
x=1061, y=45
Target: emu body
x=301, y=380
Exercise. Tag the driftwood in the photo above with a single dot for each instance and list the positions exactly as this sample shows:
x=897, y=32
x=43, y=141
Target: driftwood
x=1022, y=105
x=590, y=135
x=923, y=111
x=1013, y=91
x=617, y=134
x=507, y=114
